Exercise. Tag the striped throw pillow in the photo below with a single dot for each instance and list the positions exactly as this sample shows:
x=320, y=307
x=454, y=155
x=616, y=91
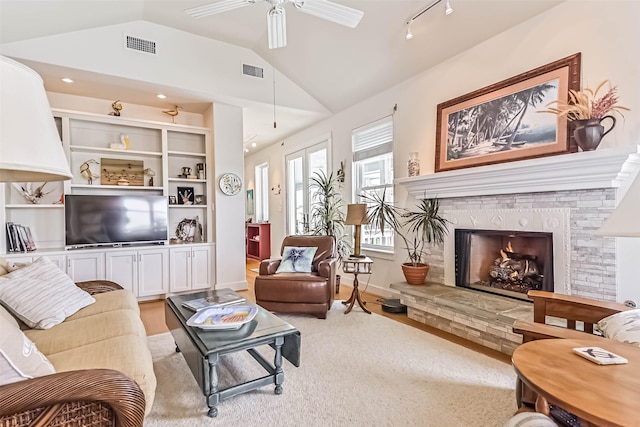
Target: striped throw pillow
x=42, y=295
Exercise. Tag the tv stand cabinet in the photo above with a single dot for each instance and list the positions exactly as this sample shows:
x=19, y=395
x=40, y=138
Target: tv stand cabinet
x=258, y=240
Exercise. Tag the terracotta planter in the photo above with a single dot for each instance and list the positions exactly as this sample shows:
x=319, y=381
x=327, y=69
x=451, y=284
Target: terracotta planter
x=415, y=275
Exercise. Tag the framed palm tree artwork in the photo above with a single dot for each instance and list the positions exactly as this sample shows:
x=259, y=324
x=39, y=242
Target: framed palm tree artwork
x=504, y=122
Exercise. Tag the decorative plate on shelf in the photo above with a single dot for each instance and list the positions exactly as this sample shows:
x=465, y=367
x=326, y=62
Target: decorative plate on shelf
x=230, y=184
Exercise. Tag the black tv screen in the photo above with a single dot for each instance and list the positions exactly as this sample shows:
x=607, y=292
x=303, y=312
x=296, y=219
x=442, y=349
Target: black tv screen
x=93, y=220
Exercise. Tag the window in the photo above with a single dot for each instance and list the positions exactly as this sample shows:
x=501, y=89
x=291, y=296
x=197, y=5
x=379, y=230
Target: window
x=262, y=192
x=373, y=170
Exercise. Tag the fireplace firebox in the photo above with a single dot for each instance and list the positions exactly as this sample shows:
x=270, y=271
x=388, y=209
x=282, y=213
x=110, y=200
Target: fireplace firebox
x=504, y=262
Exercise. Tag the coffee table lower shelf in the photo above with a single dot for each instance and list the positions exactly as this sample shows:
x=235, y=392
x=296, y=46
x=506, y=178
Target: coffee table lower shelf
x=202, y=351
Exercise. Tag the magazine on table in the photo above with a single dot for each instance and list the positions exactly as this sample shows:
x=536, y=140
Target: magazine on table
x=600, y=356
x=216, y=299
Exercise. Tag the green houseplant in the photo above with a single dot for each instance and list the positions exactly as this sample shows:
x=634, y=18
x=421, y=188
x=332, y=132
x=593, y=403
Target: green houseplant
x=328, y=211
x=417, y=228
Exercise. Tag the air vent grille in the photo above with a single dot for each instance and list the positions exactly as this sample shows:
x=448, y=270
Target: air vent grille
x=252, y=70
x=141, y=45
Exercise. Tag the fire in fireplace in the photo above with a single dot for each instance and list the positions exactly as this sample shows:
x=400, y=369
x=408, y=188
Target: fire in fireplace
x=503, y=262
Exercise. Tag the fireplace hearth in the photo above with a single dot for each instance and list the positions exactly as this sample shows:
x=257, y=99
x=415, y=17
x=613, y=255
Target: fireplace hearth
x=504, y=262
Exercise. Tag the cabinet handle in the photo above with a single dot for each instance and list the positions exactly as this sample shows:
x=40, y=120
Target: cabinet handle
x=69, y=263
x=140, y=257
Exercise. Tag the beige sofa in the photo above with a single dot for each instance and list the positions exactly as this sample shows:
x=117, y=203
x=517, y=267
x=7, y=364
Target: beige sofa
x=101, y=358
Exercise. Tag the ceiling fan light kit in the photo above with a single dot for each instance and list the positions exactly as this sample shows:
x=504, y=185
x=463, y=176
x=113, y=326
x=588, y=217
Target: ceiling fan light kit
x=277, y=27
x=276, y=17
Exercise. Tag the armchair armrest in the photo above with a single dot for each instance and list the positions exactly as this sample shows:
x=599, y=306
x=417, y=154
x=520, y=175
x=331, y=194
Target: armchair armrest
x=269, y=266
x=572, y=308
x=537, y=331
x=108, y=388
x=327, y=267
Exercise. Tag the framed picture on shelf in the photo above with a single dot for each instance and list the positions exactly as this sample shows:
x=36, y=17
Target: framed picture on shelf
x=186, y=196
x=501, y=123
x=173, y=200
x=199, y=200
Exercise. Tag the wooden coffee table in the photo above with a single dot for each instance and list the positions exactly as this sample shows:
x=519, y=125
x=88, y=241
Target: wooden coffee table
x=202, y=348
x=602, y=395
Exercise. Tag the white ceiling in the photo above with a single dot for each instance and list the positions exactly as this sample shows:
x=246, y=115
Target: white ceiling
x=337, y=66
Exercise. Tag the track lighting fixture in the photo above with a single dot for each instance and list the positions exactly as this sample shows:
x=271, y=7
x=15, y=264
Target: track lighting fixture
x=408, y=35
x=448, y=11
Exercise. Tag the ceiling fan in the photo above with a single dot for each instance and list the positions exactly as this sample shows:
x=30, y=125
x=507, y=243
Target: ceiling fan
x=276, y=17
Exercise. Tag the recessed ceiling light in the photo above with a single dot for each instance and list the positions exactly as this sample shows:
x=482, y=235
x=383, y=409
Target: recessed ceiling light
x=253, y=144
x=67, y=80
x=246, y=150
x=161, y=96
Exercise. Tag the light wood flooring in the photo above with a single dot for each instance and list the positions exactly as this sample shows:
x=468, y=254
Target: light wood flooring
x=152, y=314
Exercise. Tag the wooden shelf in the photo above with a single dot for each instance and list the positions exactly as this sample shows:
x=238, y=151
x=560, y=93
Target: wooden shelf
x=258, y=237
x=188, y=206
x=113, y=150
x=185, y=154
x=119, y=187
x=186, y=180
x=34, y=206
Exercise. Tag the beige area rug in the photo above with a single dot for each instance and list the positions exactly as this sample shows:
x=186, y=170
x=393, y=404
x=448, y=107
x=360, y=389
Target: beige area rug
x=356, y=370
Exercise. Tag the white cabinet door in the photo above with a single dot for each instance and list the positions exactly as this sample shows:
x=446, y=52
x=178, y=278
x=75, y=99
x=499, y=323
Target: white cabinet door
x=180, y=269
x=153, y=272
x=122, y=268
x=86, y=266
x=200, y=267
x=59, y=260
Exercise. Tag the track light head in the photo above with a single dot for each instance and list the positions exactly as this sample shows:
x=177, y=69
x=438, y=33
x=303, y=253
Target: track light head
x=408, y=35
x=448, y=10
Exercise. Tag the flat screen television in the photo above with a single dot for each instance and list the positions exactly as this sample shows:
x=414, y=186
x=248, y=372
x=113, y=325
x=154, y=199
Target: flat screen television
x=96, y=220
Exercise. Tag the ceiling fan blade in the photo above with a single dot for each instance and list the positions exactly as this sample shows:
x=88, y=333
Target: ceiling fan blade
x=331, y=11
x=277, y=27
x=217, y=7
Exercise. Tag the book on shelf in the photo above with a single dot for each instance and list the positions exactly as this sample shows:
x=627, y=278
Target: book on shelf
x=600, y=356
x=218, y=298
x=19, y=238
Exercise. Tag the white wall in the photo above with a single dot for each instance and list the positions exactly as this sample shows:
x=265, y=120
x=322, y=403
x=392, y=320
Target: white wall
x=607, y=37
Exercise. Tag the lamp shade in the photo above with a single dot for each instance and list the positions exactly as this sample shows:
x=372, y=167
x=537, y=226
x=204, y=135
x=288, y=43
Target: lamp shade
x=624, y=222
x=30, y=147
x=356, y=214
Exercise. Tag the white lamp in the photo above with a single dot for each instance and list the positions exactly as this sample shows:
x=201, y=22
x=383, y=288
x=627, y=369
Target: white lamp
x=624, y=221
x=30, y=147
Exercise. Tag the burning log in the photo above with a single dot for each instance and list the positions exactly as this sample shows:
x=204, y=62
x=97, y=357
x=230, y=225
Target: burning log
x=514, y=271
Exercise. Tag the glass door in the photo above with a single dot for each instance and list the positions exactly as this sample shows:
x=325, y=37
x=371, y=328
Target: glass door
x=300, y=166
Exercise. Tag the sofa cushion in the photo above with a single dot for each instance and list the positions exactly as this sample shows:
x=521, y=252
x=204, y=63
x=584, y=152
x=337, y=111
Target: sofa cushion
x=19, y=356
x=623, y=326
x=41, y=294
x=296, y=259
x=87, y=330
x=7, y=316
x=109, y=301
x=128, y=354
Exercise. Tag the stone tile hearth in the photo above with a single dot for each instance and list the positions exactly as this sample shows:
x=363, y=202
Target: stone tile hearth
x=480, y=317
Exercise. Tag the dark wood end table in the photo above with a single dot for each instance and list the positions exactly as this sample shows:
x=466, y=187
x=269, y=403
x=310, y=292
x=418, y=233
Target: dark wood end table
x=356, y=266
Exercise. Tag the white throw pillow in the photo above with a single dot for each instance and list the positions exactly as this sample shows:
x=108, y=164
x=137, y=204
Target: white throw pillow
x=623, y=326
x=42, y=295
x=19, y=357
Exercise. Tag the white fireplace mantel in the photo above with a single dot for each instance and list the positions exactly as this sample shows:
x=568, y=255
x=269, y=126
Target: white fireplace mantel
x=605, y=168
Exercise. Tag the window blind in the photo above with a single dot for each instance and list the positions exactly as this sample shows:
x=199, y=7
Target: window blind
x=373, y=139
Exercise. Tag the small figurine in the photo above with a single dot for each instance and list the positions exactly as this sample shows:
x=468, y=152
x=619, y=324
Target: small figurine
x=117, y=107
x=85, y=171
x=173, y=113
x=32, y=196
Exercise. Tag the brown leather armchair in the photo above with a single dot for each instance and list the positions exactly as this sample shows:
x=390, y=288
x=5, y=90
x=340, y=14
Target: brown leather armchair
x=310, y=293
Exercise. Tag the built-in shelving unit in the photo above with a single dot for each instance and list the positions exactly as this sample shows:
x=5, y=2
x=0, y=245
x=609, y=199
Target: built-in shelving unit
x=167, y=149
x=258, y=240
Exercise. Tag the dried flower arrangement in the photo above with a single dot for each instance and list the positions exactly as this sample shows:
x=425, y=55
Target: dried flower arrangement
x=585, y=104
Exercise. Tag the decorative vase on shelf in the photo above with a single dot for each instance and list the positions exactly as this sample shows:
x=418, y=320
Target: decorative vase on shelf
x=588, y=133
x=413, y=165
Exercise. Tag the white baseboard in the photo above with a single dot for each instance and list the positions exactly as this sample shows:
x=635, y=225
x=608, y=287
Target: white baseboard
x=242, y=285
x=371, y=287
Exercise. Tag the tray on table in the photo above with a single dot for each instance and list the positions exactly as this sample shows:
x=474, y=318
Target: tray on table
x=221, y=318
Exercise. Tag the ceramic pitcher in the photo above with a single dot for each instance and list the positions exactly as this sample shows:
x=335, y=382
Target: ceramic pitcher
x=589, y=133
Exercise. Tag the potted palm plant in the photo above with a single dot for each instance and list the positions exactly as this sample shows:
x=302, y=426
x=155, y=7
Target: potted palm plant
x=417, y=229
x=328, y=212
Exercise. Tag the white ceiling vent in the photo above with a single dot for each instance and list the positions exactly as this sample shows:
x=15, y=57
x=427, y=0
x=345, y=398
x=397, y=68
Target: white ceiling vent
x=252, y=70
x=141, y=45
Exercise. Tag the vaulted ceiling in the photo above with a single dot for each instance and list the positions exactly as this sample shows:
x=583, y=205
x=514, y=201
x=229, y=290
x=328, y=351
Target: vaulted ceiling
x=335, y=65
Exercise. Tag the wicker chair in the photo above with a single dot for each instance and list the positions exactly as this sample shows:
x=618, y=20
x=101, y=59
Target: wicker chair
x=91, y=397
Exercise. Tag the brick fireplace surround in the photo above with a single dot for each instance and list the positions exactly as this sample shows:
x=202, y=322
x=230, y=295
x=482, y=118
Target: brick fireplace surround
x=569, y=195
